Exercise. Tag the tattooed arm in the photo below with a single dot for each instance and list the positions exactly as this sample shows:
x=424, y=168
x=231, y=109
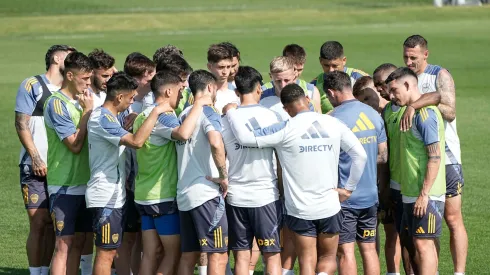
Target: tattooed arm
x=382, y=153
x=445, y=87
x=25, y=137
x=219, y=157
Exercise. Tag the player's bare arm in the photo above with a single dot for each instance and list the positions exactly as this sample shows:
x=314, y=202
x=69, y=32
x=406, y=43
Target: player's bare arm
x=137, y=139
x=434, y=160
x=219, y=157
x=316, y=100
x=382, y=153
x=445, y=87
x=25, y=137
x=76, y=141
x=184, y=131
x=424, y=101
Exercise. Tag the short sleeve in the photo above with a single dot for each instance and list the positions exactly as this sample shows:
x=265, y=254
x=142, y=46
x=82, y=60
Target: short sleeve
x=27, y=96
x=427, y=124
x=213, y=120
x=60, y=118
x=380, y=131
x=166, y=123
x=112, y=131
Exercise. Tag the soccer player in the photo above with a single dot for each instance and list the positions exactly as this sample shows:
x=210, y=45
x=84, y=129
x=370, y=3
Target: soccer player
x=29, y=124
x=142, y=69
x=369, y=97
x=308, y=141
x=298, y=55
x=391, y=203
x=253, y=205
x=203, y=223
x=220, y=61
x=422, y=173
x=235, y=63
x=332, y=58
x=103, y=70
x=166, y=51
x=437, y=85
x=68, y=174
x=106, y=191
x=360, y=210
x=282, y=73
x=156, y=184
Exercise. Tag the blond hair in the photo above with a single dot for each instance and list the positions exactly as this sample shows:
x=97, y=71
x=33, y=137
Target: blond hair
x=280, y=64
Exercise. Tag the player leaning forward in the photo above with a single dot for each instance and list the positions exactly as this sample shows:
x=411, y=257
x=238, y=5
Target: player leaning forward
x=309, y=141
x=106, y=193
x=423, y=184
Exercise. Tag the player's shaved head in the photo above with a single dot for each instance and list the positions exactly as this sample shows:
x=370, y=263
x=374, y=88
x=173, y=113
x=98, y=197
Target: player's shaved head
x=166, y=51
x=199, y=81
x=414, y=41
x=368, y=96
x=362, y=83
x=331, y=50
x=77, y=62
x=53, y=50
x=385, y=67
x=120, y=83
x=402, y=73
x=247, y=79
x=163, y=78
x=337, y=81
x=380, y=75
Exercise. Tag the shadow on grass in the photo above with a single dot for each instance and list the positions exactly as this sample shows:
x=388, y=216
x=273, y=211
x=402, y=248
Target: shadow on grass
x=14, y=271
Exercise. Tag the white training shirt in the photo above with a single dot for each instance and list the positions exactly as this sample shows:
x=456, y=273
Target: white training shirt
x=107, y=184
x=195, y=161
x=99, y=98
x=308, y=146
x=274, y=103
x=225, y=97
x=251, y=176
x=427, y=84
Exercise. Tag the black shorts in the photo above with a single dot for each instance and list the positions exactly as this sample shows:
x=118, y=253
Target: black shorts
x=69, y=214
x=454, y=180
x=34, y=188
x=108, y=224
x=392, y=213
x=263, y=223
x=205, y=228
x=133, y=221
x=330, y=225
x=359, y=225
x=429, y=226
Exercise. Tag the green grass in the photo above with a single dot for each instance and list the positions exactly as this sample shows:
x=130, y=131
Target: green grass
x=372, y=33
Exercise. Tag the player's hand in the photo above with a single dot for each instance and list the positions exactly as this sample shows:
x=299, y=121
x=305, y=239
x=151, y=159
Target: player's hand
x=420, y=207
x=228, y=107
x=223, y=183
x=343, y=194
x=86, y=100
x=129, y=120
x=204, y=100
x=406, y=120
x=39, y=167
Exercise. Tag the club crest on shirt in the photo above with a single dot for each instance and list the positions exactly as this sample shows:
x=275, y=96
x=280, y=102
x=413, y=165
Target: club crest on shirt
x=425, y=87
x=115, y=238
x=60, y=225
x=34, y=198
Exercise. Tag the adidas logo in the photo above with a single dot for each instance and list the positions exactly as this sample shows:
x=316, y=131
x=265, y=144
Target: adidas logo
x=363, y=123
x=420, y=230
x=315, y=131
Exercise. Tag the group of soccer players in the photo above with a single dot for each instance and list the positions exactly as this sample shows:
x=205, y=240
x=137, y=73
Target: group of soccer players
x=164, y=168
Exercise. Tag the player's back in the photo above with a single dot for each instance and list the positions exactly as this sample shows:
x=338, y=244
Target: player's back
x=368, y=127
x=195, y=161
x=252, y=179
x=224, y=97
x=309, y=155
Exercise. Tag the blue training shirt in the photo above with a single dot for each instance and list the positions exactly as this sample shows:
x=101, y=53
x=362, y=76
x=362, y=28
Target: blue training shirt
x=368, y=126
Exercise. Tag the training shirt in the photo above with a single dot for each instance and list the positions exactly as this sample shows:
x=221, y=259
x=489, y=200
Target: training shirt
x=29, y=94
x=195, y=161
x=225, y=97
x=427, y=84
x=368, y=126
x=308, y=146
x=107, y=184
x=392, y=114
x=251, y=176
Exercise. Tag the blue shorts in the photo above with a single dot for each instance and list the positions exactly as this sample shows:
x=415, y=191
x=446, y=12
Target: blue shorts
x=429, y=226
x=69, y=214
x=34, y=188
x=454, y=180
x=308, y=228
x=108, y=225
x=263, y=223
x=205, y=228
x=164, y=224
x=359, y=225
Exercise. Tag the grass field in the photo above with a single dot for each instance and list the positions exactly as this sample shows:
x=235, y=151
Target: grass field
x=371, y=32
